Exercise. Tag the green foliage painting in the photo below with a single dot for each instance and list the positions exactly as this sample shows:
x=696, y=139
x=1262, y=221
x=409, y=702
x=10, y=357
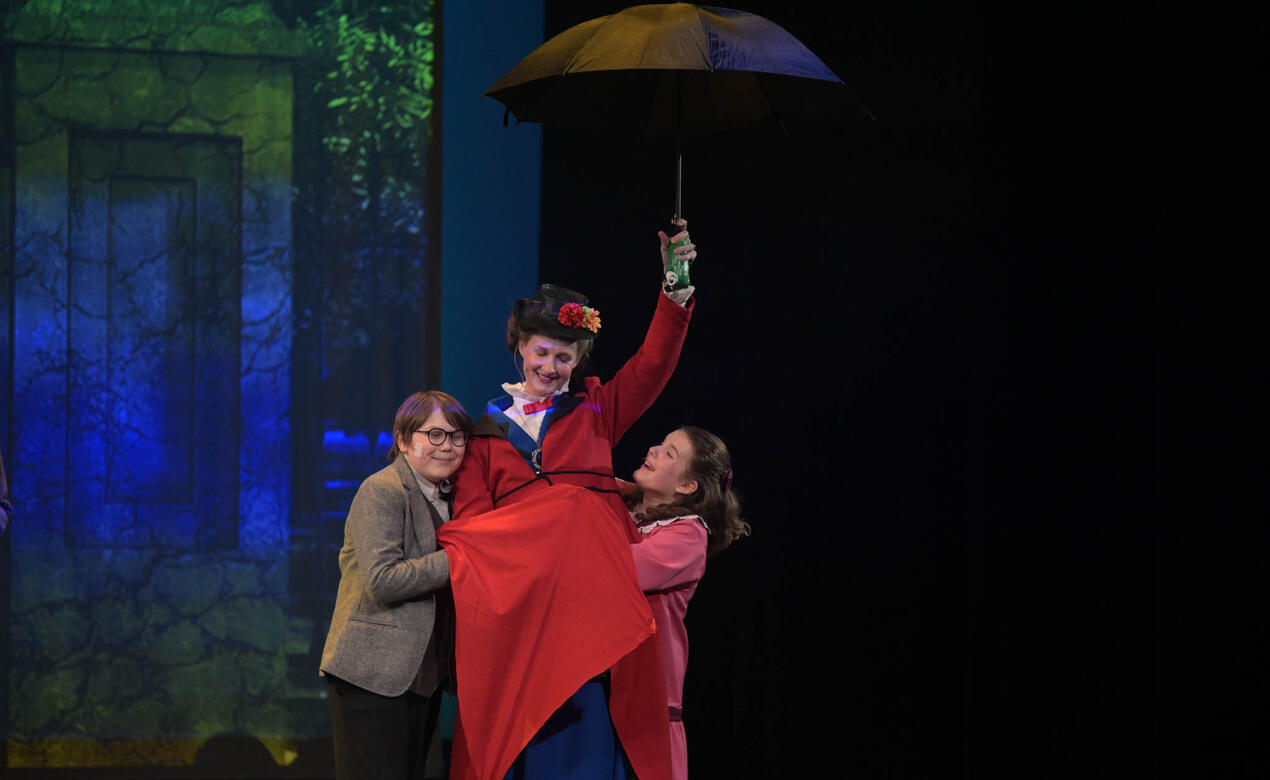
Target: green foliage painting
x=364, y=108
x=378, y=90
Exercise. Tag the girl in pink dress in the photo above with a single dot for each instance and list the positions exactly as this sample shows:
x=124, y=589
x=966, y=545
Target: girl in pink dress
x=686, y=511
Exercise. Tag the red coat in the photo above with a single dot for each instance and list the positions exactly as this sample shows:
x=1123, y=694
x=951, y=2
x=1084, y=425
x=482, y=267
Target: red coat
x=576, y=450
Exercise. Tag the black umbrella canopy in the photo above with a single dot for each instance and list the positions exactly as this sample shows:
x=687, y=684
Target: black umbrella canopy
x=666, y=71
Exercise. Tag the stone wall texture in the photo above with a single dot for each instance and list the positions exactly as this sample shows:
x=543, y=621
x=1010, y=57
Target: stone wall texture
x=149, y=173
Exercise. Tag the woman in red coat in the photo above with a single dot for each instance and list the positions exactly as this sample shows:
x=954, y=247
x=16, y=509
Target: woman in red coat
x=552, y=626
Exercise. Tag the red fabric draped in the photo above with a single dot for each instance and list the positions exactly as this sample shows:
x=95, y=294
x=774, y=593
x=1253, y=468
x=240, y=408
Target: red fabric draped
x=546, y=598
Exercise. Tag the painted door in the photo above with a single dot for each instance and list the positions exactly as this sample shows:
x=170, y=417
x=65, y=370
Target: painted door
x=153, y=363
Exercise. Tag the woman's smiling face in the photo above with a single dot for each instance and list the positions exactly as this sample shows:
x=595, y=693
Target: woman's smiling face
x=548, y=363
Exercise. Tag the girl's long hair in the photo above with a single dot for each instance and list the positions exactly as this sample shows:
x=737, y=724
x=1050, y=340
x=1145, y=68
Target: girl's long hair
x=714, y=499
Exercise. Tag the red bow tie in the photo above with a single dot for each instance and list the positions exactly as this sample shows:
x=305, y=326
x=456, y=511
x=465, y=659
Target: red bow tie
x=538, y=406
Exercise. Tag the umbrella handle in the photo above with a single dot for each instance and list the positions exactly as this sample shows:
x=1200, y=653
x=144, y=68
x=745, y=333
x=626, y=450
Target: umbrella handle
x=676, y=269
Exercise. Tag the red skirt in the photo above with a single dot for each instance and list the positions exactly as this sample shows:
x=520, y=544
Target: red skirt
x=545, y=598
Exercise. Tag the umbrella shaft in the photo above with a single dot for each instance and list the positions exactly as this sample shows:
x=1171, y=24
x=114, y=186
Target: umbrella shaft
x=677, y=269
x=679, y=180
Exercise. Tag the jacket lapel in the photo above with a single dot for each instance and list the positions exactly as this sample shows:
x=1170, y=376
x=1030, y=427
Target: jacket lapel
x=433, y=514
x=419, y=505
x=489, y=426
x=495, y=423
x=564, y=404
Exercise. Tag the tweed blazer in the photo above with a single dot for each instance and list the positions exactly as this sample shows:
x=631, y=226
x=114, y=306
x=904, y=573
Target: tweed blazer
x=390, y=570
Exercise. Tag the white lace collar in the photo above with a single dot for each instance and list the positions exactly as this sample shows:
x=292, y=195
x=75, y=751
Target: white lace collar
x=648, y=527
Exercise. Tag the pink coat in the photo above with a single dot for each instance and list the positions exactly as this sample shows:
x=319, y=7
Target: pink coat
x=670, y=560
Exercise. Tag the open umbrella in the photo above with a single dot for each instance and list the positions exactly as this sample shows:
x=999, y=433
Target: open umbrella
x=669, y=71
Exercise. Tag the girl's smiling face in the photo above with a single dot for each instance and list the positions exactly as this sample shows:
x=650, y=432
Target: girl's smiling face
x=666, y=471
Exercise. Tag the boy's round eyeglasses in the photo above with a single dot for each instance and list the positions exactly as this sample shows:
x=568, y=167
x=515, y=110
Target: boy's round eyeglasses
x=437, y=436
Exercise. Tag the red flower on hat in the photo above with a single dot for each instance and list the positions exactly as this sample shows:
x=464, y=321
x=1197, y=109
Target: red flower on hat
x=576, y=315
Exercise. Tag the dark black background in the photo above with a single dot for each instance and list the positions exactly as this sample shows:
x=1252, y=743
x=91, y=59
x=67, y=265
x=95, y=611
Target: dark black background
x=941, y=346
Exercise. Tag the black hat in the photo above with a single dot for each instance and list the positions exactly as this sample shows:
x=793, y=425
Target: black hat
x=557, y=312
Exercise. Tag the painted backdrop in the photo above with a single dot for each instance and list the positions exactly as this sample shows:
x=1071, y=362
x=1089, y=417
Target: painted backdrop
x=215, y=220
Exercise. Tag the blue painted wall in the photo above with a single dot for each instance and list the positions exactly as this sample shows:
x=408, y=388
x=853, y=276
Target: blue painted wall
x=490, y=191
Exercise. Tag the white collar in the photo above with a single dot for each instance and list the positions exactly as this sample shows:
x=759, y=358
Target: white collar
x=517, y=391
x=431, y=490
x=648, y=527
